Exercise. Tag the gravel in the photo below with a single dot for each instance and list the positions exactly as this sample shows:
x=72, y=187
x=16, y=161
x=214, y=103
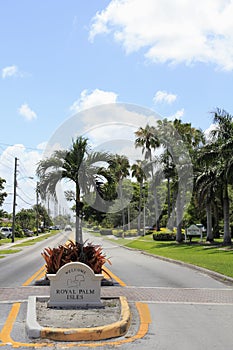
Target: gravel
x=77, y=317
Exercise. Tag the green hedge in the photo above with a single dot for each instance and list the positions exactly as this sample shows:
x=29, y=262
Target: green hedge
x=164, y=236
x=106, y=231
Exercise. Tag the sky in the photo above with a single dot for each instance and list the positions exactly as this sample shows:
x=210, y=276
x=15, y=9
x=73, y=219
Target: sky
x=173, y=58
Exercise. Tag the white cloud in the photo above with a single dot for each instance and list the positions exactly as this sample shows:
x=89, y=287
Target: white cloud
x=208, y=131
x=11, y=71
x=95, y=98
x=173, y=31
x=27, y=112
x=26, y=169
x=163, y=96
x=178, y=115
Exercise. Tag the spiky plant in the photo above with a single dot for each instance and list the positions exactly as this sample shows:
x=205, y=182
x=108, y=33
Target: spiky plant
x=89, y=254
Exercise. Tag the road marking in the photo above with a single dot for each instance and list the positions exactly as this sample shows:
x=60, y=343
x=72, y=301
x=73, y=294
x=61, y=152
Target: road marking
x=117, y=279
x=34, y=276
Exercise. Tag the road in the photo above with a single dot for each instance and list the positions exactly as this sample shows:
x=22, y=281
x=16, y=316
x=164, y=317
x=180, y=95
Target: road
x=188, y=309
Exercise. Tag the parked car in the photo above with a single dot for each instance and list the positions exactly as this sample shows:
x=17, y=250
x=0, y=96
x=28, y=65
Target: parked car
x=55, y=227
x=27, y=232
x=68, y=228
x=5, y=232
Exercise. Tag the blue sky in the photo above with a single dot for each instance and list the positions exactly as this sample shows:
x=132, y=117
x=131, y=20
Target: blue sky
x=57, y=57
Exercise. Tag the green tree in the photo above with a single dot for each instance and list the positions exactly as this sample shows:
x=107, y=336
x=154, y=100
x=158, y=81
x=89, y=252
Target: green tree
x=218, y=155
x=3, y=195
x=138, y=171
x=26, y=218
x=147, y=138
x=78, y=165
x=119, y=167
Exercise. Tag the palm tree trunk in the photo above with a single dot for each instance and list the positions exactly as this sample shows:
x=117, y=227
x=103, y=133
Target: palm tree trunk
x=140, y=209
x=179, y=210
x=210, y=236
x=78, y=226
x=226, y=215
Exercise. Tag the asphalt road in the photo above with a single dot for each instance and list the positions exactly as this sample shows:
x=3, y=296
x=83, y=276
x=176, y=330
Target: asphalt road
x=16, y=268
x=189, y=310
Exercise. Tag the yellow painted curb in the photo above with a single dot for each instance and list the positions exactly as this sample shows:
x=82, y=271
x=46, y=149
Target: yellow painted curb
x=113, y=330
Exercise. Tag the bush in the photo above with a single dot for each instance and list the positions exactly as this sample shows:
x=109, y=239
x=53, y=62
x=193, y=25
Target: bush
x=117, y=233
x=105, y=231
x=164, y=236
x=89, y=254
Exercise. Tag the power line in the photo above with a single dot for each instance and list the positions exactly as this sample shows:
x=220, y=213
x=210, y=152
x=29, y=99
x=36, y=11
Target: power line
x=24, y=200
x=20, y=146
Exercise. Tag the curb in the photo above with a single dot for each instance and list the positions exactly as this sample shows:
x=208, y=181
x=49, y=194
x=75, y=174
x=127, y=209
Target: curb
x=113, y=330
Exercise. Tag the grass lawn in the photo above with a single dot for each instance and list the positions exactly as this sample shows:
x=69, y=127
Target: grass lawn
x=29, y=242
x=212, y=257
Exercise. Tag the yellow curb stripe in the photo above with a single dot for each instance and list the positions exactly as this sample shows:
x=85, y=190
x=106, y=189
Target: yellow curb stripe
x=5, y=334
x=33, y=277
x=117, y=279
x=6, y=330
x=5, y=337
x=145, y=320
x=116, y=329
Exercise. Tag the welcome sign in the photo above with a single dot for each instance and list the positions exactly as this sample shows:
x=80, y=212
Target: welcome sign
x=75, y=285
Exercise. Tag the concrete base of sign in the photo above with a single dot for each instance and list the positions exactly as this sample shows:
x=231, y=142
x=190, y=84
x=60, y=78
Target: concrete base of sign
x=112, y=330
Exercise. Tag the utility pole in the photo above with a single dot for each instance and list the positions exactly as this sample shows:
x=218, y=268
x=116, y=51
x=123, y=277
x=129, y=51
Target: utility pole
x=37, y=208
x=14, y=202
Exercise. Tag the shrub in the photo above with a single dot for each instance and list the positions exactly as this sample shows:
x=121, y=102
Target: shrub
x=88, y=254
x=164, y=236
x=105, y=231
x=117, y=233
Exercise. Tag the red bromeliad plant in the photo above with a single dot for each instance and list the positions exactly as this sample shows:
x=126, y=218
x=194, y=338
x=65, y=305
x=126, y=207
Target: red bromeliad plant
x=89, y=254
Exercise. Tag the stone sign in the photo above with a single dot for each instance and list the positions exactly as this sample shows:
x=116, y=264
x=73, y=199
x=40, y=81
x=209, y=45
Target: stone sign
x=75, y=285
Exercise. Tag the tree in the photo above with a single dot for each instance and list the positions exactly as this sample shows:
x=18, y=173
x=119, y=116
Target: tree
x=206, y=187
x=3, y=195
x=192, y=139
x=119, y=167
x=147, y=139
x=78, y=165
x=218, y=155
x=138, y=172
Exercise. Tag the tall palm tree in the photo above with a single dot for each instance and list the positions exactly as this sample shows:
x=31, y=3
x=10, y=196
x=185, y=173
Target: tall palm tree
x=206, y=188
x=78, y=165
x=219, y=154
x=138, y=171
x=119, y=167
x=147, y=139
x=189, y=141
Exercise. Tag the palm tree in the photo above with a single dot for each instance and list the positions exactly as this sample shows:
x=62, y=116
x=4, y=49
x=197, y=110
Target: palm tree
x=138, y=172
x=76, y=165
x=119, y=167
x=147, y=138
x=206, y=187
x=219, y=154
x=189, y=141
